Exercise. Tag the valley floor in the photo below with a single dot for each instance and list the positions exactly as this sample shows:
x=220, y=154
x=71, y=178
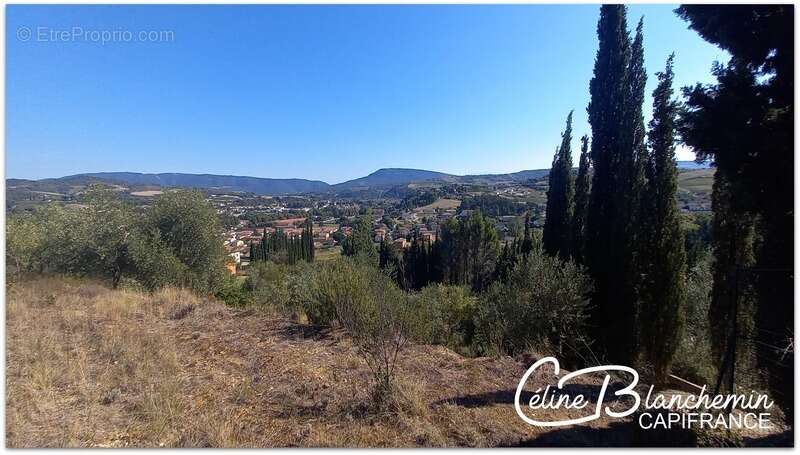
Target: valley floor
x=88, y=366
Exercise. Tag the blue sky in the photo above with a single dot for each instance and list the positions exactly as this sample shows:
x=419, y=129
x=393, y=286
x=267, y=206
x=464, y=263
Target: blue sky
x=319, y=92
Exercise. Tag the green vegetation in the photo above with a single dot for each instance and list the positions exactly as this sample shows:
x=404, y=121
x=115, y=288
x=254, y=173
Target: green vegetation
x=745, y=123
x=359, y=243
x=560, y=192
x=541, y=306
x=175, y=242
x=447, y=315
x=583, y=187
x=616, y=273
x=279, y=247
x=493, y=205
x=616, y=133
x=663, y=290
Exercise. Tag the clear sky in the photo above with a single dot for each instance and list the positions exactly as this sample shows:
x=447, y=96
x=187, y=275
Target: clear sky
x=319, y=92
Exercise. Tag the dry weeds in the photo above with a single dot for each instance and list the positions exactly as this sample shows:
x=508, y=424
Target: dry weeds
x=91, y=367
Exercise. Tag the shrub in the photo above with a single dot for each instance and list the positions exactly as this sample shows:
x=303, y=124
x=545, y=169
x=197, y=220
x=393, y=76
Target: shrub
x=281, y=288
x=446, y=315
x=232, y=292
x=175, y=242
x=376, y=313
x=544, y=303
x=267, y=283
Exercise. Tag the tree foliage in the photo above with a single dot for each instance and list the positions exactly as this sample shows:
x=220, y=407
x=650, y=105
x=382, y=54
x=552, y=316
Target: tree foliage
x=359, y=243
x=560, y=193
x=616, y=149
x=177, y=241
x=543, y=303
x=745, y=122
x=663, y=290
x=583, y=187
x=468, y=251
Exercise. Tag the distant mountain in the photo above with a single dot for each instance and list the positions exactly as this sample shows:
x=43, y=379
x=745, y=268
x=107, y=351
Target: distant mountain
x=397, y=176
x=521, y=176
x=394, y=177
x=693, y=165
x=380, y=180
x=256, y=185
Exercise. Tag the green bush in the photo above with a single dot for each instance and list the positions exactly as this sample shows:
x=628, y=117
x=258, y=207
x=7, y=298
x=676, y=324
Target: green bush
x=281, y=288
x=176, y=242
x=446, y=316
x=232, y=292
x=267, y=283
x=543, y=305
x=375, y=312
x=191, y=229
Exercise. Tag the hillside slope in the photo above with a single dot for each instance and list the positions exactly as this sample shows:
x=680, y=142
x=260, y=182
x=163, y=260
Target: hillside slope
x=88, y=366
x=256, y=185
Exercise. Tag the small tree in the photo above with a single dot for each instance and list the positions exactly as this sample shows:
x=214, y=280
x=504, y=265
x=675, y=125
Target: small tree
x=24, y=240
x=374, y=311
x=191, y=230
x=359, y=243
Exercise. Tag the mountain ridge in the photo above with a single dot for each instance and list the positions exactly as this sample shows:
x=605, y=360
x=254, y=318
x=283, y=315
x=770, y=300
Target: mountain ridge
x=384, y=177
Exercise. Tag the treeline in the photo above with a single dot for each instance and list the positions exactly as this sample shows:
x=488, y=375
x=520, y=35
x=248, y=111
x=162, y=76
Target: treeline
x=281, y=248
x=494, y=205
x=623, y=222
x=465, y=253
x=618, y=216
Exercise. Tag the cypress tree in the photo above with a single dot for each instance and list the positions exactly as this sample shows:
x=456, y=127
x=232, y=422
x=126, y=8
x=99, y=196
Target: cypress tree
x=634, y=160
x=527, y=241
x=583, y=184
x=745, y=122
x=663, y=291
x=610, y=235
x=556, y=234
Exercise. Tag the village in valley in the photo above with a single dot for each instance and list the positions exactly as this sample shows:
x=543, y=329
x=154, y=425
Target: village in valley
x=402, y=213
x=399, y=212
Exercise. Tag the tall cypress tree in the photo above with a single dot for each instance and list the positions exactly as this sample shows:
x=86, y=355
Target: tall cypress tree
x=556, y=233
x=583, y=184
x=608, y=247
x=633, y=161
x=663, y=291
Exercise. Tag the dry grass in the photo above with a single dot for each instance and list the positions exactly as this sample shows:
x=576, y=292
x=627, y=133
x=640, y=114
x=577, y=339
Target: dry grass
x=696, y=180
x=443, y=204
x=147, y=193
x=91, y=367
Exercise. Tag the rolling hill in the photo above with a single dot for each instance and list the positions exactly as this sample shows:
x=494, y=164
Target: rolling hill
x=256, y=185
x=380, y=179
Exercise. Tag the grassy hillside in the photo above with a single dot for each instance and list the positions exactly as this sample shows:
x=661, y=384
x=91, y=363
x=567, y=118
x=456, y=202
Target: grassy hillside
x=89, y=366
x=696, y=180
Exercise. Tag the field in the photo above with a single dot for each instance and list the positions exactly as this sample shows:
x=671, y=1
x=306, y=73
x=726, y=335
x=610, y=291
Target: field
x=443, y=204
x=87, y=366
x=148, y=193
x=698, y=181
x=327, y=254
